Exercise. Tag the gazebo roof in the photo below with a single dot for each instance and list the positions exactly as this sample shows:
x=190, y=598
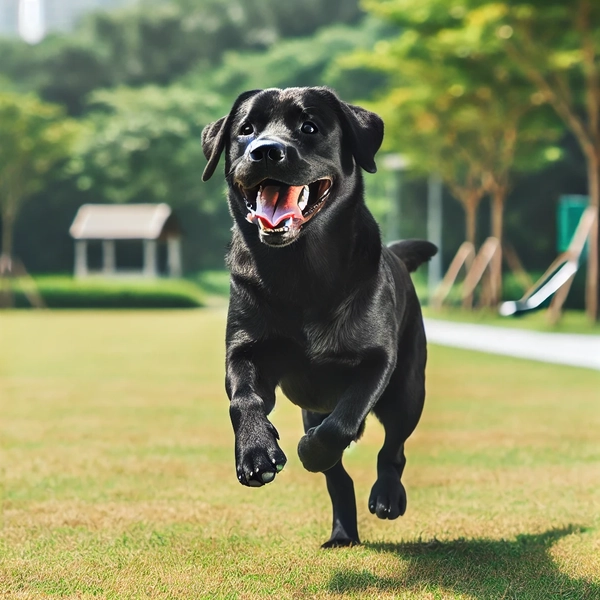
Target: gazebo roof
x=120, y=221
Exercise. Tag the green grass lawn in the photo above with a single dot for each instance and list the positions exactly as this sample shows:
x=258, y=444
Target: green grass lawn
x=119, y=482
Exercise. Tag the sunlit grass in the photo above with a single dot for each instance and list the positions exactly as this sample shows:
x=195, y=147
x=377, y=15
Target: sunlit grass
x=118, y=476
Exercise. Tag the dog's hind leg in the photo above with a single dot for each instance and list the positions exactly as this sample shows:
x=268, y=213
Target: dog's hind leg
x=341, y=491
x=399, y=410
x=388, y=496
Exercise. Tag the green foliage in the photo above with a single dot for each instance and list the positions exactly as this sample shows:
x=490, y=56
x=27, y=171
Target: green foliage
x=61, y=69
x=143, y=145
x=146, y=79
x=213, y=282
x=450, y=110
x=159, y=42
x=265, y=22
x=551, y=46
x=96, y=293
x=167, y=69
x=35, y=138
x=296, y=62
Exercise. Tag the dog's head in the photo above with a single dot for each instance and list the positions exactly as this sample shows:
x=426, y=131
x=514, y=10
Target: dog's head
x=289, y=155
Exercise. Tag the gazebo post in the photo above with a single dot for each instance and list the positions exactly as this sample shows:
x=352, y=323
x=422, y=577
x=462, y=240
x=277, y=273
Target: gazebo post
x=149, y=258
x=81, y=269
x=108, y=257
x=174, y=256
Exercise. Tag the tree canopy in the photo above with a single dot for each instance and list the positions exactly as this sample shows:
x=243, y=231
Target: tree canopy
x=34, y=138
x=475, y=79
x=479, y=92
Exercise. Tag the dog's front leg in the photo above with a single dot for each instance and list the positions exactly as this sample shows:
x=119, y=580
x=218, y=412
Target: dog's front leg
x=322, y=447
x=258, y=456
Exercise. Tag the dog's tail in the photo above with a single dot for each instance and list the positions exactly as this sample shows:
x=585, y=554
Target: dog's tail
x=413, y=253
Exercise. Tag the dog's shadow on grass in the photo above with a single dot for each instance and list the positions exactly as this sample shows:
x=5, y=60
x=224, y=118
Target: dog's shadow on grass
x=477, y=568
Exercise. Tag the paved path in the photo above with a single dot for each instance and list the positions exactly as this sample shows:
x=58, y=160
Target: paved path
x=563, y=348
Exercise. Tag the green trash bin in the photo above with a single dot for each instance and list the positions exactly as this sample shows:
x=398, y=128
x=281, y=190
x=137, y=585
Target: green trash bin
x=570, y=209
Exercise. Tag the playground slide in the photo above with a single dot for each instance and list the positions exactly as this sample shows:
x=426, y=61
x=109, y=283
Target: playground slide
x=560, y=272
x=542, y=291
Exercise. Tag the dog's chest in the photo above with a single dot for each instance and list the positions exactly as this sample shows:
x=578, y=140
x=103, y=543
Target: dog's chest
x=331, y=340
x=331, y=355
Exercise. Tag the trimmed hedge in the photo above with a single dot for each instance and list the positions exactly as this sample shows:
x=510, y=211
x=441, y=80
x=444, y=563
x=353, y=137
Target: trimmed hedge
x=213, y=282
x=97, y=292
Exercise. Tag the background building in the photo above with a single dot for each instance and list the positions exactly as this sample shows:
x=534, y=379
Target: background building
x=58, y=15
x=8, y=16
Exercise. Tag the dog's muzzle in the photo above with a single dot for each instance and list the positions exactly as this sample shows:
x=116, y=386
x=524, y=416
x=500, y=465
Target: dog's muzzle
x=279, y=208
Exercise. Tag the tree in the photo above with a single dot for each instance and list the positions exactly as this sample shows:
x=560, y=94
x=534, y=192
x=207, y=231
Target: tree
x=262, y=23
x=143, y=145
x=166, y=69
x=294, y=62
x=158, y=42
x=556, y=46
x=35, y=137
x=455, y=112
x=456, y=115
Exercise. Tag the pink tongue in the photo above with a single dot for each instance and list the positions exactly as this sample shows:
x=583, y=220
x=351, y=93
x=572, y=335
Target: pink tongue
x=275, y=204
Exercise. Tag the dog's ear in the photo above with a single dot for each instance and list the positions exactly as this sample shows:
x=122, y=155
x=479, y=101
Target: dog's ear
x=213, y=142
x=214, y=136
x=365, y=131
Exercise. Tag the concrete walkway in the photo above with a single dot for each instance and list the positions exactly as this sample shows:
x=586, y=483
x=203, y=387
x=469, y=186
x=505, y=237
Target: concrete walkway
x=563, y=348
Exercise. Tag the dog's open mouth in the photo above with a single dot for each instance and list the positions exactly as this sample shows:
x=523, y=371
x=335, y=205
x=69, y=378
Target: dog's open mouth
x=278, y=207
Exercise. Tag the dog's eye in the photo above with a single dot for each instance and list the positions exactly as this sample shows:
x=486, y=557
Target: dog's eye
x=309, y=127
x=246, y=129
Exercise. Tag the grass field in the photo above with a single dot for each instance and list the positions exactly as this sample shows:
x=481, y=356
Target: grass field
x=119, y=482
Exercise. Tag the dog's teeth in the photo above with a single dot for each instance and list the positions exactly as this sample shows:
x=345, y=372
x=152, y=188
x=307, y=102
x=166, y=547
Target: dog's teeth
x=304, y=198
x=285, y=227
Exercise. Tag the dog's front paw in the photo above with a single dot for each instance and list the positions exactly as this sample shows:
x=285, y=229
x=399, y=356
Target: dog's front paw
x=259, y=457
x=316, y=454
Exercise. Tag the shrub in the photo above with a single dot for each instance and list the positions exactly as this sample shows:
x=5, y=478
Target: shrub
x=97, y=292
x=213, y=282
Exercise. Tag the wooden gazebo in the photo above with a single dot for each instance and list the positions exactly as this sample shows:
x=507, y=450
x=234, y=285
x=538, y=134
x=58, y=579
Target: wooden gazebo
x=151, y=224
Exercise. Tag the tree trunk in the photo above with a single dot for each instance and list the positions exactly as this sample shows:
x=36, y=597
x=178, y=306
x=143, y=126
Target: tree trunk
x=471, y=219
x=498, y=202
x=6, y=294
x=497, y=225
x=593, y=276
x=8, y=222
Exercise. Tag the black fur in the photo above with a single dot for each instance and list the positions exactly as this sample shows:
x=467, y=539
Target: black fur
x=322, y=310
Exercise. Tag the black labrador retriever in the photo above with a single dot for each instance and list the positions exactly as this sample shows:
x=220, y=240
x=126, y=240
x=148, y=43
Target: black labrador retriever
x=318, y=306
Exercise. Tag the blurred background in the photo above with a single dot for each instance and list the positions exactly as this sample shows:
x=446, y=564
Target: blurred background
x=489, y=121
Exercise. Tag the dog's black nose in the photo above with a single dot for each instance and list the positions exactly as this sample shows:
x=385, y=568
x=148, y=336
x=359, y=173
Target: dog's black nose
x=269, y=149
